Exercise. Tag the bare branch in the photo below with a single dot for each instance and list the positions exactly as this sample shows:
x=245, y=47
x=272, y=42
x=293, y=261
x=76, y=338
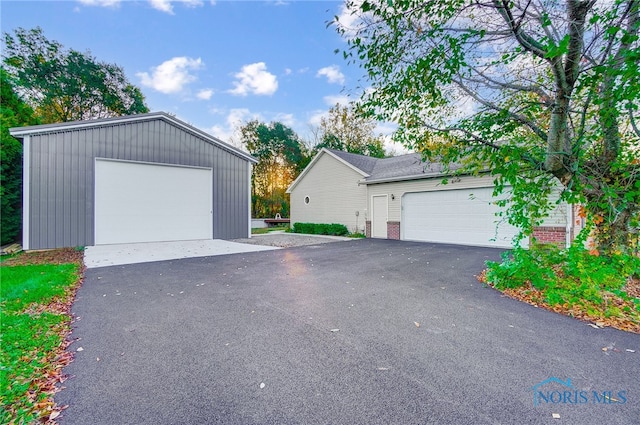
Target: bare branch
x=517, y=117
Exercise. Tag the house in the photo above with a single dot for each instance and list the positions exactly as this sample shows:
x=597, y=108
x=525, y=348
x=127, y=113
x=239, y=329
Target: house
x=140, y=178
x=405, y=198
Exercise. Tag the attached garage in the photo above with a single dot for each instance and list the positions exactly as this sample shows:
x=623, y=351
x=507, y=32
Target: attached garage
x=406, y=197
x=461, y=216
x=141, y=178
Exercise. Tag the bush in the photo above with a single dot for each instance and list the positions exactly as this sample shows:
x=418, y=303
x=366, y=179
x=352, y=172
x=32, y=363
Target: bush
x=321, y=229
x=572, y=276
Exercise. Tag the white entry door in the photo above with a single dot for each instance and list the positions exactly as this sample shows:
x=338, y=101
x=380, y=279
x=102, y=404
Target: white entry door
x=379, y=216
x=143, y=202
x=462, y=216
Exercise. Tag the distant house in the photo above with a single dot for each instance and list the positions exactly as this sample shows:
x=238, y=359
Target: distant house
x=404, y=198
x=140, y=178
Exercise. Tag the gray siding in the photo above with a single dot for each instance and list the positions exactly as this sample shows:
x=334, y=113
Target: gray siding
x=61, y=190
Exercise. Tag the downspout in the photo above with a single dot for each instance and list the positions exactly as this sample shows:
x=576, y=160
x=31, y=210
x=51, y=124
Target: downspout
x=569, y=229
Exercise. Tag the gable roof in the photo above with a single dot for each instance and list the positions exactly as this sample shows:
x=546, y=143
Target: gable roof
x=381, y=170
x=351, y=160
x=21, y=132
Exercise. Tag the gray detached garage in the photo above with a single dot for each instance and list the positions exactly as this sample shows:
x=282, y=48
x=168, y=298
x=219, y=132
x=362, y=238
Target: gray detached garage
x=140, y=178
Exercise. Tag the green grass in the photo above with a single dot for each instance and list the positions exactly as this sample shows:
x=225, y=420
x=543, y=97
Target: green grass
x=263, y=230
x=30, y=335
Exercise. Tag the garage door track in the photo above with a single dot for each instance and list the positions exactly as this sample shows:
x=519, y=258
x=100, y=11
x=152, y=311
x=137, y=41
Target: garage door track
x=368, y=332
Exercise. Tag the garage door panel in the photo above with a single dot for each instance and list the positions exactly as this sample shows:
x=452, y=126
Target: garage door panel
x=140, y=202
x=461, y=216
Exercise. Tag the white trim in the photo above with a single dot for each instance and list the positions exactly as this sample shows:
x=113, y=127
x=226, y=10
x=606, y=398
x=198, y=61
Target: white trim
x=161, y=164
x=26, y=182
x=249, y=195
x=315, y=159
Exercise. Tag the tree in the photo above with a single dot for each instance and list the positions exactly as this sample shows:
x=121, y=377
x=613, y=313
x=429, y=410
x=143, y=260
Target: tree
x=64, y=84
x=343, y=129
x=540, y=93
x=13, y=113
x=282, y=156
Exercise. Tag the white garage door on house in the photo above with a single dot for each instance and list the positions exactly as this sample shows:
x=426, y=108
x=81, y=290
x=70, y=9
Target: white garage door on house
x=147, y=202
x=461, y=216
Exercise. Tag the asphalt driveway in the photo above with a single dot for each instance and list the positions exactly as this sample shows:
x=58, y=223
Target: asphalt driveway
x=366, y=332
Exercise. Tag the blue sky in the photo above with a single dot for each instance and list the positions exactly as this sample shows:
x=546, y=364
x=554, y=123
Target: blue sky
x=213, y=64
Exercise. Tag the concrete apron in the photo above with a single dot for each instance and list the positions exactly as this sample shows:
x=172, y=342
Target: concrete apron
x=132, y=253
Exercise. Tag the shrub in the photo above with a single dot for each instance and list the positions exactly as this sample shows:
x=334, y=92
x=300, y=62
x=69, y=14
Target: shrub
x=573, y=276
x=321, y=229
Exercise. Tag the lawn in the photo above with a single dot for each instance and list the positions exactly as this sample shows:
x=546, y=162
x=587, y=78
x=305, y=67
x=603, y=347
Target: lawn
x=263, y=230
x=35, y=298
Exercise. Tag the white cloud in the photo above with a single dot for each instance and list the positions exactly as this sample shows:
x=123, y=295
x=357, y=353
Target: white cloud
x=348, y=21
x=162, y=5
x=316, y=117
x=287, y=71
x=167, y=7
x=385, y=128
x=333, y=99
x=101, y=3
x=228, y=130
x=204, y=94
x=171, y=76
x=254, y=79
x=286, y=119
x=333, y=74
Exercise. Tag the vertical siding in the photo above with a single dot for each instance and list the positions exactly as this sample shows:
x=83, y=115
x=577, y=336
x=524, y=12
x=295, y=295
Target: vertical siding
x=334, y=195
x=62, y=177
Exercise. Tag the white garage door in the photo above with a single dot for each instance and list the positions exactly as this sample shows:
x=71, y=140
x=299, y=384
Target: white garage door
x=463, y=216
x=141, y=202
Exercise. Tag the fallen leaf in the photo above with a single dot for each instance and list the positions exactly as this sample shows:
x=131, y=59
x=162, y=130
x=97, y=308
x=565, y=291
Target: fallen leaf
x=604, y=348
x=417, y=324
x=54, y=415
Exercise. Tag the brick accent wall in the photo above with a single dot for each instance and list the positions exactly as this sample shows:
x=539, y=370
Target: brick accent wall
x=367, y=228
x=554, y=235
x=393, y=230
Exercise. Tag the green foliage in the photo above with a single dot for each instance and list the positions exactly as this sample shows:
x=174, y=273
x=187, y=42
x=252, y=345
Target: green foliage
x=282, y=156
x=573, y=276
x=64, y=84
x=30, y=338
x=344, y=130
x=320, y=229
x=541, y=94
x=13, y=113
